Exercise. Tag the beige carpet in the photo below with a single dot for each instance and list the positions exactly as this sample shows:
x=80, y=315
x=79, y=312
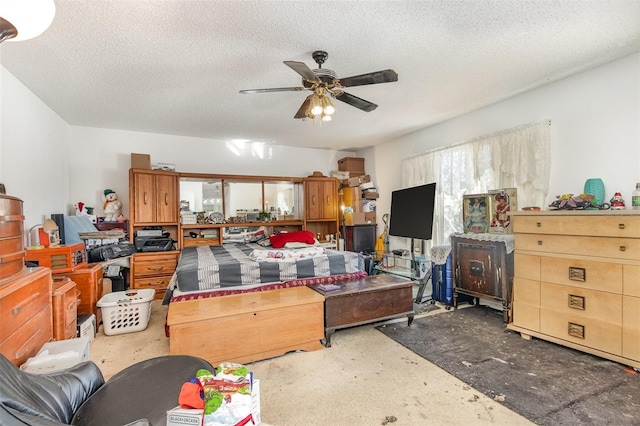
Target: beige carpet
x=365, y=378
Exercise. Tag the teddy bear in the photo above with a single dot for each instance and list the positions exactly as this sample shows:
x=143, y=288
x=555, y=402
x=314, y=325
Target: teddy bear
x=112, y=206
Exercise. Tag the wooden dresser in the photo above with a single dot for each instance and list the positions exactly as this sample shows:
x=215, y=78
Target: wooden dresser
x=25, y=312
x=89, y=282
x=577, y=280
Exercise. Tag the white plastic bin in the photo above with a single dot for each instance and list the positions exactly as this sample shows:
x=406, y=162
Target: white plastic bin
x=126, y=311
x=56, y=356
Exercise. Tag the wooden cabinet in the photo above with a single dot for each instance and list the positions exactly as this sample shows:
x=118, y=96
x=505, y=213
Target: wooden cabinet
x=25, y=310
x=153, y=271
x=483, y=267
x=577, y=281
x=65, y=308
x=321, y=205
x=89, y=283
x=154, y=197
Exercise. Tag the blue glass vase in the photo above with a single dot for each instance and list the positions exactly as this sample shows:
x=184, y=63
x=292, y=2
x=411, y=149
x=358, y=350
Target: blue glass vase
x=595, y=187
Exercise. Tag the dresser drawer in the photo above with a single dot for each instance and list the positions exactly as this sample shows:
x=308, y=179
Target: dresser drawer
x=614, y=248
x=526, y=291
x=631, y=327
x=18, y=306
x=606, y=226
x=631, y=280
x=597, y=334
x=527, y=266
x=150, y=265
x=29, y=338
x=602, y=276
x=582, y=302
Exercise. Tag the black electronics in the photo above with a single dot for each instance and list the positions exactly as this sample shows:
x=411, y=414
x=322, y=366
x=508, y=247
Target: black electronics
x=111, y=251
x=412, y=212
x=151, y=244
x=59, y=220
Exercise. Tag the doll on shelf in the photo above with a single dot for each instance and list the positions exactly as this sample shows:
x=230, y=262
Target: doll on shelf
x=502, y=212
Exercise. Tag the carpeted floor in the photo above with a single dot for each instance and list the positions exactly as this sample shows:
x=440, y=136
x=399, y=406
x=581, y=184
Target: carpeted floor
x=547, y=383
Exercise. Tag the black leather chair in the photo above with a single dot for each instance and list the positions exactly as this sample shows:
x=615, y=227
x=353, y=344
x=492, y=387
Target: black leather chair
x=139, y=395
x=45, y=399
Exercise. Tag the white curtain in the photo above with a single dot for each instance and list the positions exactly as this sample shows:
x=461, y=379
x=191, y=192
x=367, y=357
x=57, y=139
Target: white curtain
x=515, y=158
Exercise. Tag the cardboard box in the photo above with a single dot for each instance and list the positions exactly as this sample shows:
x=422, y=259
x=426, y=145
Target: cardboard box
x=370, y=195
x=140, y=161
x=351, y=165
x=86, y=326
x=185, y=416
x=370, y=217
x=352, y=197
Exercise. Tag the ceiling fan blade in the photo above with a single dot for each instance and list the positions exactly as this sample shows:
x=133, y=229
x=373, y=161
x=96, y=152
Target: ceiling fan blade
x=357, y=102
x=275, y=89
x=302, y=112
x=386, y=76
x=302, y=69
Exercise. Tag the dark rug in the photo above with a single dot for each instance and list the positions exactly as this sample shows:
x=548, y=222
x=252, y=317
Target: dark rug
x=548, y=384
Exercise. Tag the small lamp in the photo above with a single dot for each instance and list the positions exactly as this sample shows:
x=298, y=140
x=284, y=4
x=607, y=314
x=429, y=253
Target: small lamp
x=53, y=233
x=25, y=19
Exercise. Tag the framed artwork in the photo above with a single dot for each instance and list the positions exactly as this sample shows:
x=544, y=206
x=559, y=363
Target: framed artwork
x=475, y=213
x=502, y=203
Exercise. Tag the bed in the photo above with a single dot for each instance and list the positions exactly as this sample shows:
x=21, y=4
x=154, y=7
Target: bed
x=210, y=271
x=245, y=302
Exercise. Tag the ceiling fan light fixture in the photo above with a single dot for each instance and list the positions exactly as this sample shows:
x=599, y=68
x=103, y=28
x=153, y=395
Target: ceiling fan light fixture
x=327, y=106
x=316, y=105
x=24, y=20
x=326, y=117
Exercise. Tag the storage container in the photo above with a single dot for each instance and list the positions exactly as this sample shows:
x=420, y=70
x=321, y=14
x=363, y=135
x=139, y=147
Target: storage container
x=352, y=164
x=56, y=356
x=126, y=311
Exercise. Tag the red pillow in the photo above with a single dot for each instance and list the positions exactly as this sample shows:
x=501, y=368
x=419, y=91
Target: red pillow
x=279, y=240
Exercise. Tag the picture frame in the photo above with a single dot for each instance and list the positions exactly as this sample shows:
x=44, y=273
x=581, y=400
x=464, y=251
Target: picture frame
x=502, y=204
x=475, y=213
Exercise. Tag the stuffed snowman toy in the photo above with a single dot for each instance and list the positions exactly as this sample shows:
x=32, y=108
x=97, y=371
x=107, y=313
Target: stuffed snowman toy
x=112, y=206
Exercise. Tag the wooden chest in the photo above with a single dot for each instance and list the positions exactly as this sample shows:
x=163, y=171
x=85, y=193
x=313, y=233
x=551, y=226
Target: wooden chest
x=63, y=258
x=25, y=310
x=11, y=230
x=577, y=281
x=64, y=302
x=247, y=327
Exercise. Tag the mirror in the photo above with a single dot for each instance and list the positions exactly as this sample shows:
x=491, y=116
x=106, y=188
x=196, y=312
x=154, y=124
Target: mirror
x=198, y=195
x=280, y=199
x=244, y=199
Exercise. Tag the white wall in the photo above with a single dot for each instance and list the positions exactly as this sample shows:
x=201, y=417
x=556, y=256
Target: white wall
x=101, y=158
x=595, y=132
x=34, y=151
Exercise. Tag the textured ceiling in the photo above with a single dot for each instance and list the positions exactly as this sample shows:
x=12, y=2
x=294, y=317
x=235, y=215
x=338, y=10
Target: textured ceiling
x=176, y=66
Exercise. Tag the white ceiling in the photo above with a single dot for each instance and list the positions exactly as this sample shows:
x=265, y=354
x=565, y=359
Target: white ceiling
x=176, y=66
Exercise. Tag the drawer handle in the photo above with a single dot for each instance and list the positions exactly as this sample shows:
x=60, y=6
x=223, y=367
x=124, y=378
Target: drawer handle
x=577, y=274
x=539, y=242
x=623, y=248
x=539, y=225
x=621, y=226
x=576, y=330
x=16, y=310
x=576, y=302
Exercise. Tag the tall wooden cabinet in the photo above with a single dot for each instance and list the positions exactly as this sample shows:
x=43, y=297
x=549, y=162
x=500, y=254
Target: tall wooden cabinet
x=577, y=281
x=153, y=201
x=321, y=205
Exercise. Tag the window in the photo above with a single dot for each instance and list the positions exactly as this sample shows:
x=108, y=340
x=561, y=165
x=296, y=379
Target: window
x=515, y=158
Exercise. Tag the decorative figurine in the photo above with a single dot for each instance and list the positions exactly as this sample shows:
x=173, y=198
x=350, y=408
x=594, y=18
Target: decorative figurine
x=617, y=203
x=112, y=206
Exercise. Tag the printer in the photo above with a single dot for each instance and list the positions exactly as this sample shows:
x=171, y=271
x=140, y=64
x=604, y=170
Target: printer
x=150, y=244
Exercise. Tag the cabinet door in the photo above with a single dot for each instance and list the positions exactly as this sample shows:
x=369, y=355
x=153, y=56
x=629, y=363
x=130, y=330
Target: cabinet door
x=314, y=196
x=329, y=200
x=144, y=204
x=166, y=199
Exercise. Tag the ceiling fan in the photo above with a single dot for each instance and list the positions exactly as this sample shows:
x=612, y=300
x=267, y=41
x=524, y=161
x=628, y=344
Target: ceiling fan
x=325, y=84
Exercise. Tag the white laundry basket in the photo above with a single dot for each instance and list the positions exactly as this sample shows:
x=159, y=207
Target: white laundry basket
x=126, y=311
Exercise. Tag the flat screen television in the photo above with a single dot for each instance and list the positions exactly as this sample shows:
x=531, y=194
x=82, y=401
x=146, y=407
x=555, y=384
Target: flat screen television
x=412, y=212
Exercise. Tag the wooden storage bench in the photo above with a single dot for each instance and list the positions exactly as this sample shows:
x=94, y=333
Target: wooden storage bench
x=247, y=327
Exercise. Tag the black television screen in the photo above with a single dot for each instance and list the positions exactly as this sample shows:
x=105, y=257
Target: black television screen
x=412, y=212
